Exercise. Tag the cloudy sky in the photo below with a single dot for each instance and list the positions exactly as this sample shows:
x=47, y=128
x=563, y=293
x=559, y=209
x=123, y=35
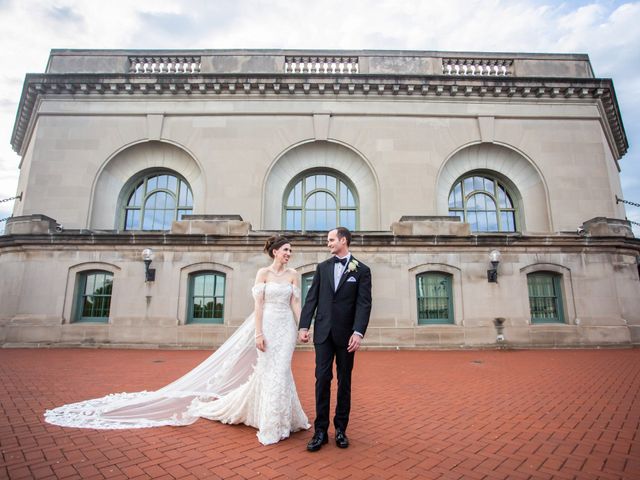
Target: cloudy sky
x=607, y=30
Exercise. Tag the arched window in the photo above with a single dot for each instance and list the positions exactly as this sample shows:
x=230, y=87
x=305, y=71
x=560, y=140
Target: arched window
x=93, y=299
x=483, y=202
x=435, y=302
x=206, y=297
x=545, y=297
x=320, y=201
x=156, y=200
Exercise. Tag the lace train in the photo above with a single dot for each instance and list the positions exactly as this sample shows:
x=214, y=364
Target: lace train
x=236, y=384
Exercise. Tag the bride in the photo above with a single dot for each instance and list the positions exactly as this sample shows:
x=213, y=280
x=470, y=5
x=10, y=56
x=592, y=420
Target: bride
x=247, y=380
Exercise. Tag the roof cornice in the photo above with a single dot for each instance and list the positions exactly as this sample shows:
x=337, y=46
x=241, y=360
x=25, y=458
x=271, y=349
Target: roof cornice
x=288, y=86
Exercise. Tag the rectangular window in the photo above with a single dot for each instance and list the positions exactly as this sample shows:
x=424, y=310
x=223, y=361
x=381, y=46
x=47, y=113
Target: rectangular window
x=435, y=304
x=307, y=278
x=93, y=302
x=545, y=297
x=206, y=297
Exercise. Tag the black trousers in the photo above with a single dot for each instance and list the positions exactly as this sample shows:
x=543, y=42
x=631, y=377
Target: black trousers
x=325, y=354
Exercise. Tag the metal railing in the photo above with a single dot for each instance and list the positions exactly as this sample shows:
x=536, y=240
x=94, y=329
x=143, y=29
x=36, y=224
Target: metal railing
x=621, y=200
x=19, y=197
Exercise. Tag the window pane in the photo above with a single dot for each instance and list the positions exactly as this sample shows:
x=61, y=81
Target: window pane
x=144, y=196
x=288, y=222
x=492, y=221
x=172, y=183
x=508, y=223
x=310, y=220
x=95, y=300
x=298, y=194
x=182, y=198
x=312, y=201
x=472, y=219
x=135, y=199
x=343, y=194
x=489, y=186
x=310, y=183
x=331, y=184
x=543, y=298
x=207, y=298
x=502, y=198
x=348, y=219
x=468, y=185
x=319, y=209
x=434, y=298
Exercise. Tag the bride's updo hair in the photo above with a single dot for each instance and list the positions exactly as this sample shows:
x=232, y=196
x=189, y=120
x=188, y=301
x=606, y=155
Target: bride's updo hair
x=274, y=243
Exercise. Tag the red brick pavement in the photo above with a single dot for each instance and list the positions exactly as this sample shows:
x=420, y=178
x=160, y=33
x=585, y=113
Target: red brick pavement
x=560, y=414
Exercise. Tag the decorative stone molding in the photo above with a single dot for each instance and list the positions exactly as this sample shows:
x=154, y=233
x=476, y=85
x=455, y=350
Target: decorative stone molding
x=425, y=225
x=164, y=64
x=412, y=87
x=211, y=225
x=483, y=67
x=31, y=225
x=604, y=227
x=322, y=65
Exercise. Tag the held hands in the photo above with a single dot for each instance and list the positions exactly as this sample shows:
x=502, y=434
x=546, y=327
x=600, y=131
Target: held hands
x=303, y=336
x=354, y=343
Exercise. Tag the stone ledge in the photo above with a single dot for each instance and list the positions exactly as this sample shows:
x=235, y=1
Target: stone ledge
x=425, y=225
x=31, y=225
x=231, y=225
x=608, y=227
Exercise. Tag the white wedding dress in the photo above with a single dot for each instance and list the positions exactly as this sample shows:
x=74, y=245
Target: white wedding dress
x=236, y=384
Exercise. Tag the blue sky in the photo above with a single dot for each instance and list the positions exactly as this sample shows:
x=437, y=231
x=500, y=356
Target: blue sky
x=606, y=30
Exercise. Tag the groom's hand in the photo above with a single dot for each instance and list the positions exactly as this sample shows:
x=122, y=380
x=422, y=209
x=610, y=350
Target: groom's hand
x=303, y=336
x=354, y=343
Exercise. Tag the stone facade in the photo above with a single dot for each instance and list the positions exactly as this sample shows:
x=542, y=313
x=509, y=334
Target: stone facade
x=240, y=126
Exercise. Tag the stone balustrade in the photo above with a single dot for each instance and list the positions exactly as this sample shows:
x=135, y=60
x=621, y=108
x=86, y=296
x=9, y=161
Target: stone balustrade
x=496, y=67
x=324, y=65
x=164, y=64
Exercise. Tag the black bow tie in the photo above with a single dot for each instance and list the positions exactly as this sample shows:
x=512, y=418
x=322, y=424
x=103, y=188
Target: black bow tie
x=343, y=261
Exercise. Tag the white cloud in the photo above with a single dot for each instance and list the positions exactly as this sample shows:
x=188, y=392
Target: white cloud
x=606, y=30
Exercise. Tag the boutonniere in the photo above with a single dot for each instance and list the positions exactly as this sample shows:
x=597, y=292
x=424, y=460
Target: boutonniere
x=352, y=266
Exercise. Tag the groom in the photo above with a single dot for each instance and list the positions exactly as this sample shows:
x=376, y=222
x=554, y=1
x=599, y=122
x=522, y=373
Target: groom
x=340, y=298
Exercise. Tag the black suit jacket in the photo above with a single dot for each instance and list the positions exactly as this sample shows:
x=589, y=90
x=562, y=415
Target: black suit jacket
x=338, y=312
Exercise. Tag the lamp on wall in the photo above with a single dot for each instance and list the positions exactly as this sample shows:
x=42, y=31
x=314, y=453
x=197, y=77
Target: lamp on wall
x=149, y=273
x=492, y=273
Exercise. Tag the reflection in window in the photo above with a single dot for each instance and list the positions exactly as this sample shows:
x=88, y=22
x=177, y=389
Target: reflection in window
x=545, y=297
x=93, y=302
x=157, y=200
x=206, y=297
x=320, y=201
x=484, y=203
x=435, y=304
x=307, y=278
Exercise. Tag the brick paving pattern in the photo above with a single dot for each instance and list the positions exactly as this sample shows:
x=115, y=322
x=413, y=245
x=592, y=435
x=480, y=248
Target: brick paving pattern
x=562, y=414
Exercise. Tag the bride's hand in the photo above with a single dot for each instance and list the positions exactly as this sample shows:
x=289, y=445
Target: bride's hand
x=260, y=343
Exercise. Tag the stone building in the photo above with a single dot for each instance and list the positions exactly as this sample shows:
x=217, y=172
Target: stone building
x=433, y=159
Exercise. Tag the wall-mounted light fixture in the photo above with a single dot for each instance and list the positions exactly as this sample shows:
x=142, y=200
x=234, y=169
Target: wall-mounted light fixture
x=492, y=273
x=149, y=273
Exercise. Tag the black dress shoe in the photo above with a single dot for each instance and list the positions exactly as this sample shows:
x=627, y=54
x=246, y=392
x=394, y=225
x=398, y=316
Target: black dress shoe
x=341, y=439
x=319, y=438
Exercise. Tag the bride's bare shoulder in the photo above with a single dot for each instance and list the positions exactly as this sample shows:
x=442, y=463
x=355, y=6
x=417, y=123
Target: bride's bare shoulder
x=261, y=276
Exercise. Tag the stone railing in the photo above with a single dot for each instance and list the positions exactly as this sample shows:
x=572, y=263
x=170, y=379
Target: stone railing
x=324, y=65
x=164, y=64
x=496, y=67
